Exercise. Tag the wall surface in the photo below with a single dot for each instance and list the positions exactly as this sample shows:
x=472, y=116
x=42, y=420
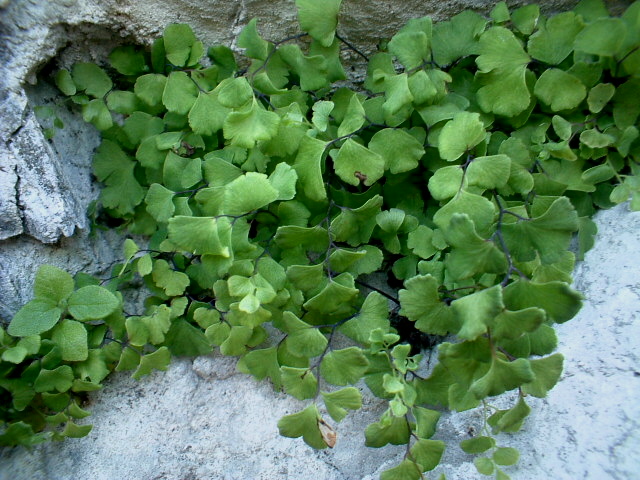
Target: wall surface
x=201, y=419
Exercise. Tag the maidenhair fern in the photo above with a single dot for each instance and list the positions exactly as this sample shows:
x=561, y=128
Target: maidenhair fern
x=435, y=201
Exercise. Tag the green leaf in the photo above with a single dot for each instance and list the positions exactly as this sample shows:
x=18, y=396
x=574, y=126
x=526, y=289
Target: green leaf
x=150, y=87
x=283, y=179
x=124, y=102
x=599, y=96
x=71, y=338
x=303, y=424
x=65, y=83
x=510, y=420
x=420, y=302
x=207, y=115
x=201, y=235
x=92, y=302
x=480, y=210
x=299, y=382
x=406, y=470
x=502, y=376
x=476, y=311
x=427, y=453
x=313, y=238
x=52, y=283
x=319, y=19
x=525, y=18
x=484, y=465
x=504, y=92
x=97, y=113
x=390, y=429
x=489, y=172
x=337, y=403
x=344, y=367
x=35, y=317
x=355, y=226
x=460, y=135
x=172, y=282
x=252, y=124
x=373, y=314
x=457, y=37
x=356, y=164
x=180, y=93
x=113, y=167
x=181, y=45
x=559, y=89
x=128, y=60
x=411, y=45
x=557, y=299
x=303, y=339
x=308, y=166
x=426, y=422
x=159, y=202
x=398, y=97
x=477, y=445
x=158, y=360
x=250, y=40
x=603, y=37
x=183, y=339
x=595, y=139
x=59, y=379
x=500, y=49
x=548, y=234
x=91, y=79
x=446, y=182
x=547, y=372
x=512, y=325
x=354, y=117
x=471, y=254
x=263, y=363
x=400, y=150
x=247, y=193
x=553, y=42
x=506, y=456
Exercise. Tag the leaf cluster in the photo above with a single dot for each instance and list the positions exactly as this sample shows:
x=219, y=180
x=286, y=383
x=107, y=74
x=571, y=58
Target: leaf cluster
x=461, y=169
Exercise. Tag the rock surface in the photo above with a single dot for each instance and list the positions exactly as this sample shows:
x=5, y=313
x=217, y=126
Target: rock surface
x=202, y=420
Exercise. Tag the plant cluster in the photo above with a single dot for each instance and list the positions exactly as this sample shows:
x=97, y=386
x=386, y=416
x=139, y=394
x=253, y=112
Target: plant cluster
x=436, y=200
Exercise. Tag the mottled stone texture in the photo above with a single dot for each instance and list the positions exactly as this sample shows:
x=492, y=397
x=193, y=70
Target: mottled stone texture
x=201, y=420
